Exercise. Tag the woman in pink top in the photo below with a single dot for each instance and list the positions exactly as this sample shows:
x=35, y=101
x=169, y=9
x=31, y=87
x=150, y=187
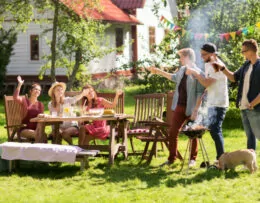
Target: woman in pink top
x=96, y=129
x=31, y=108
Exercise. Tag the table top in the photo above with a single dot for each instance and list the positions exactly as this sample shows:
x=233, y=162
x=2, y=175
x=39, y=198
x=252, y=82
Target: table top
x=50, y=118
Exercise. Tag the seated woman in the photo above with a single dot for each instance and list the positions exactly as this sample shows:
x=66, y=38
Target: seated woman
x=31, y=108
x=57, y=105
x=98, y=128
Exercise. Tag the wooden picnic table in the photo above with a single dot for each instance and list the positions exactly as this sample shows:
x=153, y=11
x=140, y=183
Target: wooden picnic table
x=115, y=121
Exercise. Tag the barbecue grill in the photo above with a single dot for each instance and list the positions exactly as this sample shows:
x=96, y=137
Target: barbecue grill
x=193, y=131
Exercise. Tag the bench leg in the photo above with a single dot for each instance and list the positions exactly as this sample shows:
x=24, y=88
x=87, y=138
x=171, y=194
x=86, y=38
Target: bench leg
x=84, y=163
x=10, y=165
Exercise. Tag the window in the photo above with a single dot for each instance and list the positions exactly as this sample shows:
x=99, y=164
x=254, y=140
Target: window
x=119, y=39
x=34, y=44
x=151, y=39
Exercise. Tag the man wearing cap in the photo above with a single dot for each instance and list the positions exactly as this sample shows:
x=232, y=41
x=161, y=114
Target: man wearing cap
x=248, y=96
x=217, y=93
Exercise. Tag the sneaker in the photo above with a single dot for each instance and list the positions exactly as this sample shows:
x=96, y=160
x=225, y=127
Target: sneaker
x=166, y=163
x=192, y=163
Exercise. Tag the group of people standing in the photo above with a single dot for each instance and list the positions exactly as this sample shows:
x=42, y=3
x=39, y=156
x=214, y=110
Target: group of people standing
x=86, y=131
x=192, y=83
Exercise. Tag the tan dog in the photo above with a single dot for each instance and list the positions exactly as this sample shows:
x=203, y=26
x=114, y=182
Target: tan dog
x=230, y=160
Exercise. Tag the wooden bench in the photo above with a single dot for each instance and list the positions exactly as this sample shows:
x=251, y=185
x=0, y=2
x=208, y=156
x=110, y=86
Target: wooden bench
x=48, y=153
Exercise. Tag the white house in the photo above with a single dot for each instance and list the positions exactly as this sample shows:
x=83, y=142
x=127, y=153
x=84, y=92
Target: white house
x=131, y=20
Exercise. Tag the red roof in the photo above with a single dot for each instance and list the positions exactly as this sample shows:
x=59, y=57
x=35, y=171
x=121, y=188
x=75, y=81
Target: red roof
x=129, y=4
x=109, y=12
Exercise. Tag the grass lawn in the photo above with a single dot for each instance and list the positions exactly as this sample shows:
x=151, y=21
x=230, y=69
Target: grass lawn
x=129, y=181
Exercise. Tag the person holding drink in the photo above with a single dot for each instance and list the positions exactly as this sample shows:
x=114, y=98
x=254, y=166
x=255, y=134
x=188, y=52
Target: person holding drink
x=62, y=106
x=98, y=129
x=216, y=85
x=248, y=96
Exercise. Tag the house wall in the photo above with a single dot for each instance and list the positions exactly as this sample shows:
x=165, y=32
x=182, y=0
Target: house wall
x=113, y=60
x=22, y=65
x=146, y=16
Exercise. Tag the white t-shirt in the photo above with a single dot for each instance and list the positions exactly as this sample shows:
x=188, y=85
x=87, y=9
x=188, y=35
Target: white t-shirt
x=217, y=92
x=244, y=101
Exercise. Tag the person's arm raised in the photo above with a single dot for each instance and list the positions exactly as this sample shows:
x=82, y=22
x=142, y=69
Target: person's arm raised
x=157, y=71
x=16, y=94
x=108, y=104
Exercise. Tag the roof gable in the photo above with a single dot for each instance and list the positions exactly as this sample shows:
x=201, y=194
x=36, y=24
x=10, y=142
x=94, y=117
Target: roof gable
x=109, y=12
x=129, y=4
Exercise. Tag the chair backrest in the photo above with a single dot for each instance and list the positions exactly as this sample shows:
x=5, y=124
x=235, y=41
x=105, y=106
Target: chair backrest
x=147, y=107
x=169, y=107
x=108, y=96
x=13, y=115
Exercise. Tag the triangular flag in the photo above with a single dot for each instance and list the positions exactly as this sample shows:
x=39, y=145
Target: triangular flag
x=177, y=28
x=227, y=36
x=239, y=32
x=245, y=31
x=221, y=36
x=183, y=32
x=168, y=23
x=251, y=29
x=206, y=36
x=171, y=26
x=161, y=18
x=191, y=36
x=196, y=36
x=233, y=35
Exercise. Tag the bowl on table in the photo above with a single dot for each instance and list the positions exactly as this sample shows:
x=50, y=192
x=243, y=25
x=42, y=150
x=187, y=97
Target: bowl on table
x=95, y=111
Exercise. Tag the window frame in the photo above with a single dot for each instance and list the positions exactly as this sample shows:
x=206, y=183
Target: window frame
x=37, y=48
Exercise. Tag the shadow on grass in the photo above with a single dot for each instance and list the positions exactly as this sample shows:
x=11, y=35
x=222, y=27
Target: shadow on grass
x=201, y=177
x=42, y=170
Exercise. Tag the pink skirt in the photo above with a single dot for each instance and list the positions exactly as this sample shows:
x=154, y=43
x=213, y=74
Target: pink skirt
x=98, y=129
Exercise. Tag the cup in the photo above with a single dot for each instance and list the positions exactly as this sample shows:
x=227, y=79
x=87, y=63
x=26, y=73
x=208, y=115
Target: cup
x=54, y=114
x=66, y=111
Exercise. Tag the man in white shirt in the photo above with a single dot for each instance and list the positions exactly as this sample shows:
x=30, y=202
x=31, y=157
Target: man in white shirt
x=216, y=84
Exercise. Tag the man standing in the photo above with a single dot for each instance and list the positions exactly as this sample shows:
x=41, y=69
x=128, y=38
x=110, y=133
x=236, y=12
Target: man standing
x=216, y=84
x=248, y=96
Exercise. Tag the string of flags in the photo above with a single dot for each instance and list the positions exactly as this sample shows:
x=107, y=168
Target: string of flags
x=199, y=36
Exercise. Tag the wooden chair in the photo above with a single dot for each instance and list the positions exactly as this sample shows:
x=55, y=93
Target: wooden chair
x=13, y=117
x=147, y=108
x=158, y=132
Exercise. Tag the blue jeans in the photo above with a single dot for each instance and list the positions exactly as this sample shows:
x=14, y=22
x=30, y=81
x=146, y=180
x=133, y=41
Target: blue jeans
x=216, y=117
x=251, y=123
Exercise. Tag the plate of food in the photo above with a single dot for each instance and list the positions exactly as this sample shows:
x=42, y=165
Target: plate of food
x=108, y=113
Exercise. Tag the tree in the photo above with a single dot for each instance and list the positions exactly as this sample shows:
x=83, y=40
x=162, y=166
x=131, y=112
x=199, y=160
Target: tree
x=7, y=40
x=76, y=39
x=212, y=18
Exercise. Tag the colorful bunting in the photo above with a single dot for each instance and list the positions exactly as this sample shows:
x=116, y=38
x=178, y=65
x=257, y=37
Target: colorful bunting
x=198, y=36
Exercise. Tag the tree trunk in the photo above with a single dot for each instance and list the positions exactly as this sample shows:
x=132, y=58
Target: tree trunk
x=78, y=59
x=54, y=38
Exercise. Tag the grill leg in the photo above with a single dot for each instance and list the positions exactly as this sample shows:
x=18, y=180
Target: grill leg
x=203, y=150
x=184, y=158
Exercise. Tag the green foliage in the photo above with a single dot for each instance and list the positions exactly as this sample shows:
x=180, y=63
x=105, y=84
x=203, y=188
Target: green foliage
x=80, y=39
x=7, y=40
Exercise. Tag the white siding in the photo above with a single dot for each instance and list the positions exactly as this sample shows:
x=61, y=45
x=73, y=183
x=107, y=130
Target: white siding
x=112, y=60
x=148, y=19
